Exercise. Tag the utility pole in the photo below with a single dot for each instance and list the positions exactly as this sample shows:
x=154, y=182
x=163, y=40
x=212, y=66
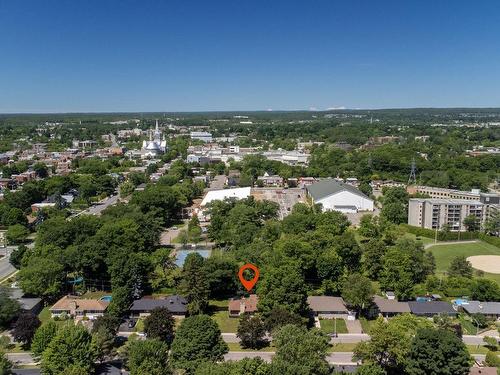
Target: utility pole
x=413, y=175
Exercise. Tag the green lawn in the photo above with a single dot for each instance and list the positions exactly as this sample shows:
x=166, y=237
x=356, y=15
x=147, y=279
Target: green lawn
x=467, y=326
x=139, y=326
x=328, y=325
x=445, y=253
x=236, y=347
x=44, y=317
x=424, y=240
x=226, y=324
x=366, y=324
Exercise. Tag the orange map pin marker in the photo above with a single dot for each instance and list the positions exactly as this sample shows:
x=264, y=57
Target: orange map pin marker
x=249, y=284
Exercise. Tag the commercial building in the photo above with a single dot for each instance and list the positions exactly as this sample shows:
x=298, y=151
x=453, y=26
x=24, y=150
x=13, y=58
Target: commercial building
x=339, y=196
x=202, y=136
x=439, y=213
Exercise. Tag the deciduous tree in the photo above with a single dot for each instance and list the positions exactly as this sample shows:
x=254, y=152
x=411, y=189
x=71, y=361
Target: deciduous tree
x=197, y=339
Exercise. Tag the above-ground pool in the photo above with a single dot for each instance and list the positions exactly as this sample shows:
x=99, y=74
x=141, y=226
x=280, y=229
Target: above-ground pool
x=106, y=298
x=183, y=253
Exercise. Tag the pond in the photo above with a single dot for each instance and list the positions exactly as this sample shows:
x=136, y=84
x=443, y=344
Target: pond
x=183, y=253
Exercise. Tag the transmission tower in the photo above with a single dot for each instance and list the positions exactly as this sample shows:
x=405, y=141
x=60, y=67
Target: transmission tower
x=413, y=175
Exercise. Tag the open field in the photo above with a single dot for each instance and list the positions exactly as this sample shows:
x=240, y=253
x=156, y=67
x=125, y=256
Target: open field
x=445, y=253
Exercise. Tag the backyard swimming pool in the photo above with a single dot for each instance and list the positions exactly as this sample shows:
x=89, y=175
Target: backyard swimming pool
x=183, y=253
x=106, y=298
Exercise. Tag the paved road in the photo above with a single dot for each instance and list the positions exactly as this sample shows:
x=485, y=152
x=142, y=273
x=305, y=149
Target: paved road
x=346, y=338
x=5, y=267
x=21, y=358
x=338, y=358
x=97, y=209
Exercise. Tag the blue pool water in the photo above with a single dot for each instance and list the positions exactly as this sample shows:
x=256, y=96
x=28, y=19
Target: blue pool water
x=183, y=253
x=106, y=298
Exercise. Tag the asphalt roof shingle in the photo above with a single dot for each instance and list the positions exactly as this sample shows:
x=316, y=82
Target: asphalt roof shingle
x=431, y=307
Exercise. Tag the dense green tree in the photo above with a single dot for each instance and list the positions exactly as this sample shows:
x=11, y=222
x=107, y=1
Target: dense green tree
x=349, y=250
x=197, y=339
x=389, y=343
x=404, y=266
x=251, y=332
x=42, y=338
x=437, y=352
x=160, y=325
x=370, y=369
x=395, y=205
x=247, y=366
x=460, y=267
x=72, y=345
x=369, y=226
x=372, y=259
x=121, y=301
x=148, y=357
x=299, y=351
x=330, y=269
x=9, y=308
x=24, y=328
x=485, y=290
x=357, y=291
x=42, y=277
x=283, y=286
x=103, y=342
x=472, y=223
x=5, y=364
x=221, y=271
x=17, y=234
x=195, y=284
x=16, y=256
x=279, y=317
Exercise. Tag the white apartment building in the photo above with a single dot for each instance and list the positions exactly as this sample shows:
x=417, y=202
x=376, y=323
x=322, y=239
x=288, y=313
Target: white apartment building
x=433, y=213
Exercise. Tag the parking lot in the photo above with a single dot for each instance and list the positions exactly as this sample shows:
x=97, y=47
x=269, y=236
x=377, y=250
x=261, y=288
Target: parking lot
x=286, y=198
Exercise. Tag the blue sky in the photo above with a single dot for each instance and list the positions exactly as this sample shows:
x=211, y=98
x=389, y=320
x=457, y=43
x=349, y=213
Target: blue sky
x=67, y=55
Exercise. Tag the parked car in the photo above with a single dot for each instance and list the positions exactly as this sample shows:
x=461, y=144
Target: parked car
x=131, y=323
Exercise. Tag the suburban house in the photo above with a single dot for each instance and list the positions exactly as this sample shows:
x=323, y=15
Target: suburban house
x=29, y=304
x=339, y=196
x=328, y=307
x=239, y=306
x=489, y=309
x=176, y=305
x=390, y=307
x=77, y=307
x=431, y=308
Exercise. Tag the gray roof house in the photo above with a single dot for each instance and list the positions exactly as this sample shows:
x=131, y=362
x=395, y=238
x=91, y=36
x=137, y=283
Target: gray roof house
x=328, y=307
x=30, y=304
x=177, y=305
x=431, y=308
x=335, y=195
x=390, y=307
x=491, y=309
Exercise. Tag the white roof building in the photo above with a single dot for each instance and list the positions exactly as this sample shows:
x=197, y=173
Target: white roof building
x=238, y=193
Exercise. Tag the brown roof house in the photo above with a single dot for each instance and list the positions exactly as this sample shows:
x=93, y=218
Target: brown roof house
x=390, y=307
x=239, y=306
x=77, y=307
x=328, y=307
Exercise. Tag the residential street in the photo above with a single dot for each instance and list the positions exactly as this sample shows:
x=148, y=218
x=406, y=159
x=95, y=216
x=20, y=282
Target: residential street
x=5, y=267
